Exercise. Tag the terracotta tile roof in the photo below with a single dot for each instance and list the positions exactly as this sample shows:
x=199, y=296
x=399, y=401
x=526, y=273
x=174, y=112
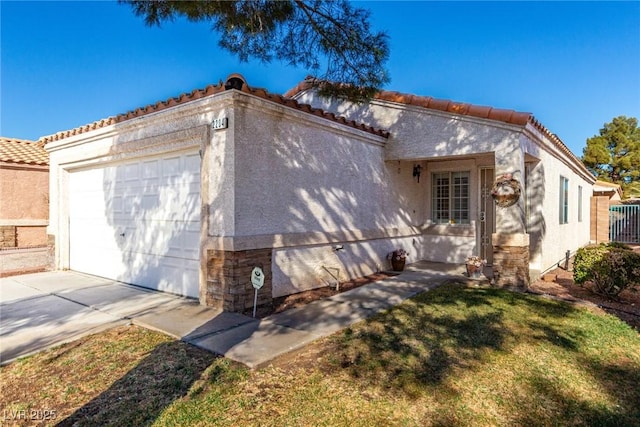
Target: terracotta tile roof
x=23, y=151
x=560, y=145
x=507, y=116
x=497, y=114
x=234, y=81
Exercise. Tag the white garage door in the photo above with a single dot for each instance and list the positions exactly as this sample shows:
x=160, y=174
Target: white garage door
x=138, y=222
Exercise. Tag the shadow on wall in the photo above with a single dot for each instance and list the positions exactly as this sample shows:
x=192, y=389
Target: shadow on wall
x=305, y=184
x=536, y=224
x=309, y=182
x=317, y=187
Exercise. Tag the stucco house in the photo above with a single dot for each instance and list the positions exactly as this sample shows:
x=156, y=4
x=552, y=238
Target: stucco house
x=24, y=193
x=190, y=194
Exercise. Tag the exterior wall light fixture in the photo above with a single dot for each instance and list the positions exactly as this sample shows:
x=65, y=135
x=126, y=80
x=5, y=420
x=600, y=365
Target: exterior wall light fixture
x=417, y=170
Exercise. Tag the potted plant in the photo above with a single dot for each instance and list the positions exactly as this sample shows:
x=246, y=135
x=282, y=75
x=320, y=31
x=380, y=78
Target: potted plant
x=475, y=265
x=398, y=258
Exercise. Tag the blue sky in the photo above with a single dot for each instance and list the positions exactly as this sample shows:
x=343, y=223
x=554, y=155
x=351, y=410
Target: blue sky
x=574, y=65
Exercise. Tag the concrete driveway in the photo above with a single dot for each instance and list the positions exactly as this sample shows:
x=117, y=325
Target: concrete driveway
x=41, y=310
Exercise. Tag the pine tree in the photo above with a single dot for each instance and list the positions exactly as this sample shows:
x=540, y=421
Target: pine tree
x=614, y=154
x=315, y=34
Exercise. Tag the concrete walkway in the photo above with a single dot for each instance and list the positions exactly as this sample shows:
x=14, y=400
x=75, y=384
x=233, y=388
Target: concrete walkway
x=41, y=310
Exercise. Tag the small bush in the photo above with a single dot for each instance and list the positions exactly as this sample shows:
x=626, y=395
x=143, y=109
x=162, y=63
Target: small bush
x=585, y=260
x=610, y=267
x=617, y=245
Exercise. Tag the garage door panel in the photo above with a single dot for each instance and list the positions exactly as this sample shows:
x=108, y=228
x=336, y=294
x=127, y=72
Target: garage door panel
x=130, y=206
x=150, y=170
x=139, y=222
x=192, y=241
x=88, y=205
x=102, y=259
x=102, y=236
x=192, y=162
x=149, y=203
x=131, y=172
x=171, y=167
x=179, y=271
x=164, y=273
x=180, y=240
x=117, y=206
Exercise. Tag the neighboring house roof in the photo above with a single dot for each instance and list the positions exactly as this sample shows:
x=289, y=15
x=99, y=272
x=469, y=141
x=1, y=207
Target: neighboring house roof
x=234, y=81
x=22, y=151
x=607, y=185
x=607, y=188
x=631, y=201
x=461, y=108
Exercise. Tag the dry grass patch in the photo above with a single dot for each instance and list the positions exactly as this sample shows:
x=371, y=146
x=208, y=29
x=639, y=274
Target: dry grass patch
x=491, y=357
x=454, y=356
x=126, y=374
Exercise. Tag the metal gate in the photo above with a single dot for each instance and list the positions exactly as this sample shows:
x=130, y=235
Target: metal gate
x=624, y=223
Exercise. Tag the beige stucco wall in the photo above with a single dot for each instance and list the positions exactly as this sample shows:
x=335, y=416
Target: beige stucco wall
x=304, y=184
x=25, y=202
x=454, y=142
x=24, y=192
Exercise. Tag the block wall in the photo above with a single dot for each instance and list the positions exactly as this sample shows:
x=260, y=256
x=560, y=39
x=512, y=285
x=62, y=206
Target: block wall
x=599, y=219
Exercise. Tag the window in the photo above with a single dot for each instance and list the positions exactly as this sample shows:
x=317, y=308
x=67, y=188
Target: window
x=564, y=200
x=450, y=198
x=579, y=203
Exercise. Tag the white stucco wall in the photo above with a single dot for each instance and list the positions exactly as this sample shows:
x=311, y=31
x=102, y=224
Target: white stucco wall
x=449, y=142
x=276, y=177
x=301, y=184
x=179, y=128
x=304, y=184
x=434, y=135
x=549, y=240
x=417, y=134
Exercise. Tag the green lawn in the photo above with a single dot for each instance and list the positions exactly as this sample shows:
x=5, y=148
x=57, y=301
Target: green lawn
x=452, y=356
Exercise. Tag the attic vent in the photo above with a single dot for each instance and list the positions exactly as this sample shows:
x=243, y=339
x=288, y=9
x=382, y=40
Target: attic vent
x=234, y=81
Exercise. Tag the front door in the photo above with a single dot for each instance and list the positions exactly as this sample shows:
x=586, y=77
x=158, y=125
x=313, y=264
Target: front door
x=487, y=217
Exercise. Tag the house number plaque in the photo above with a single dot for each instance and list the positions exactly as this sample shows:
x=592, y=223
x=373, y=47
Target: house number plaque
x=221, y=123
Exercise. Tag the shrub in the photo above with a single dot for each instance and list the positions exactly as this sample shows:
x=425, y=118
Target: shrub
x=585, y=260
x=617, y=245
x=610, y=268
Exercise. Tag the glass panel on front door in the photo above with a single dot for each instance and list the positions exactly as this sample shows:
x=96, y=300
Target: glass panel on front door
x=486, y=217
